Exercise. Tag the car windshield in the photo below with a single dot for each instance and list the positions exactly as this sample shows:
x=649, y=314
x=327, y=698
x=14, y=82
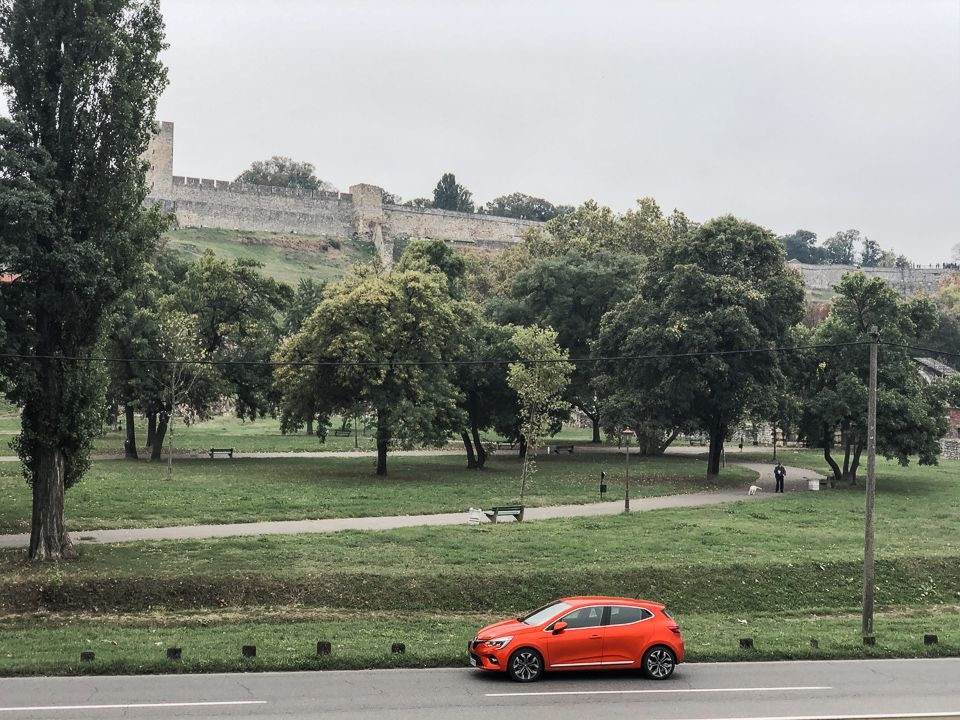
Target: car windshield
x=541, y=615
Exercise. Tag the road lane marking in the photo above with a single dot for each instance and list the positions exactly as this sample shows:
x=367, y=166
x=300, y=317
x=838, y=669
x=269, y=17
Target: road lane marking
x=876, y=716
x=665, y=690
x=130, y=706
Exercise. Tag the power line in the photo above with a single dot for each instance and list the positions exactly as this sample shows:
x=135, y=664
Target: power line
x=429, y=363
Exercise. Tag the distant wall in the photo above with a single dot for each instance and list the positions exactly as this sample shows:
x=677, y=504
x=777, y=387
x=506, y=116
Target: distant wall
x=907, y=280
x=221, y=204
x=235, y=206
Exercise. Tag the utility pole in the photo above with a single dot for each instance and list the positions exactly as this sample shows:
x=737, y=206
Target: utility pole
x=868, y=569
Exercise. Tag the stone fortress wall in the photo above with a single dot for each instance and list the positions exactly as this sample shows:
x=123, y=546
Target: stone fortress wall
x=362, y=212
x=907, y=280
x=236, y=206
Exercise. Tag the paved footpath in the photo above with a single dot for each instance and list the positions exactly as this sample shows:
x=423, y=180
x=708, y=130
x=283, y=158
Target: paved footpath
x=796, y=481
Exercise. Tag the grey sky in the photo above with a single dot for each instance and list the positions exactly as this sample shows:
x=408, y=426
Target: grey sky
x=816, y=114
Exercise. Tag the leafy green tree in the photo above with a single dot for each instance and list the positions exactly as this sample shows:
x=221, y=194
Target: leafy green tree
x=833, y=379
x=237, y=311
x=377, y=341
x=281, y=171
x=802, y=247
x=450, y=195
x=571, y=293
x=946, y=336
x=307, y=295
x=841, y=247
x=522, y=206
x=706, y=303
x=871, y=255
x=540, y=380
x=82, y=81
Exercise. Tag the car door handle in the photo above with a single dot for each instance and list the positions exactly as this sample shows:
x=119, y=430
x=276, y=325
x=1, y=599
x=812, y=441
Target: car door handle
x=596, y=637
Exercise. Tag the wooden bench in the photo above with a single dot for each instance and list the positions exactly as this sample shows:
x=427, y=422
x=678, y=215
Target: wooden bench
x=342, y=433
x=557, y=448
x=494, y=445
x=221, y=452
x=514, y=511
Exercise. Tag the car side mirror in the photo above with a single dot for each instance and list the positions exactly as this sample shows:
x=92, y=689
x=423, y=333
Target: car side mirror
x=559, y=627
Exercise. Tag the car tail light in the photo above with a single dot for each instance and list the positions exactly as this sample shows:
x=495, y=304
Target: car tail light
x=674, y=629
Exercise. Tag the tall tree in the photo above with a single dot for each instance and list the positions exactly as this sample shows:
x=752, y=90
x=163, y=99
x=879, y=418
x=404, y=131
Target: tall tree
x=451, y=195
x=540, y=381
x=379, y=341
x=82, y=81
x=802, y=247
x=841, y=247
x=704, y=301
x=281, y=171
x=571, y=293
x=523, y=207
x=871, y=255
x=833, y=379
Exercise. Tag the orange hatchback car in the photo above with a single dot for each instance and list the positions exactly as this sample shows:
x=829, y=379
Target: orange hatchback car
x=582, y=633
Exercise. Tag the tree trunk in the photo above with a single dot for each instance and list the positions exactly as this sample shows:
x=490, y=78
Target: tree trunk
x=846, y=455
x=481, y=453
x=855, y=465
x=49, y=539
x=827, y=441
x=309, y=426
x=130, y=444
x=151, y=426
x=717, y=435
x=383, y=442
x=159, y=436
x=468, y=446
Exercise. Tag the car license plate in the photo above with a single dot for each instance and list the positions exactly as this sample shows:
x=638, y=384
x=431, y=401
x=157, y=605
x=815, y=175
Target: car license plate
x=473, y=661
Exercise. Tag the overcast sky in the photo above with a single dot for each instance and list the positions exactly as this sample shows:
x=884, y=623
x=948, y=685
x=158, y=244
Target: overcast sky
x=816, y=114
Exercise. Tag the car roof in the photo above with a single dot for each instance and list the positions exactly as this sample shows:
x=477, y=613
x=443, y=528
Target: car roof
x=580, y=600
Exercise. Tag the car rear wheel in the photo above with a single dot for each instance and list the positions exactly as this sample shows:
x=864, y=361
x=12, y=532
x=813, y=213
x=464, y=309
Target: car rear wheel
x=525, y=665
x=658, y=662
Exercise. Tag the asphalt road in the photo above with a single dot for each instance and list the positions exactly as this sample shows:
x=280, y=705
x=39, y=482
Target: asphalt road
x=781, y=690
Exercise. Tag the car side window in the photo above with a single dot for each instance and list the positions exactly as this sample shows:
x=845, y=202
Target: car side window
x=583, y=617
x=621, y=615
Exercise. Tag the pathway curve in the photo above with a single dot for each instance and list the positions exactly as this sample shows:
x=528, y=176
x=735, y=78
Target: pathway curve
x=796, y=481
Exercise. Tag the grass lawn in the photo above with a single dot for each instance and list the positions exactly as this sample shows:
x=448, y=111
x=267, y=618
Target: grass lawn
x=118, y=493
x=780, y=569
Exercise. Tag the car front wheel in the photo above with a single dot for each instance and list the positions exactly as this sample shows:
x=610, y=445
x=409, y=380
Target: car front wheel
x=658, y=662
x=525, y=665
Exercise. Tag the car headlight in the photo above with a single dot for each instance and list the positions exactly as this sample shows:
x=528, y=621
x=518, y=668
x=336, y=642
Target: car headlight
x=498, y=643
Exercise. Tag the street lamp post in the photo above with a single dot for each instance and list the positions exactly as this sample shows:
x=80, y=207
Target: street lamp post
x=627, y=437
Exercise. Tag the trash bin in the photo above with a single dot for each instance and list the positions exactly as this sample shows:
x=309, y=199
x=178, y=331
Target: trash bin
x=475, y=516
x=813, y=484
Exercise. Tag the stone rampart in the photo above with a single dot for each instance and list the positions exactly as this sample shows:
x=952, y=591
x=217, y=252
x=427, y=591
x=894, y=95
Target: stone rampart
x=462, y=228
x=907, y=280
x=229, y=205
x=234, y=206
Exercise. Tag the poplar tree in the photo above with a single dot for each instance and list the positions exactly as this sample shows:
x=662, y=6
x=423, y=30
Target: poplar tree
x=82, y=78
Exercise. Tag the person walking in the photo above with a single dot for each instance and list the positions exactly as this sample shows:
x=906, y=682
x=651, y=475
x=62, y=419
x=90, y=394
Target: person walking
x=779, y=473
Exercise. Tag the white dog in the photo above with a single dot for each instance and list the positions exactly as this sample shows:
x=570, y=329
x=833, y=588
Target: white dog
x=754, y=489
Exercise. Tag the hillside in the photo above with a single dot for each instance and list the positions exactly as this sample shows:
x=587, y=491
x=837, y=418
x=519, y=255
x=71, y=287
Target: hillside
x=285, y=256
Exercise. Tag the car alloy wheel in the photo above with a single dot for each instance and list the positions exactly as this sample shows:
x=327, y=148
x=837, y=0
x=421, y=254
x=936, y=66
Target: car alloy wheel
x=659, y=662
x=525, y=665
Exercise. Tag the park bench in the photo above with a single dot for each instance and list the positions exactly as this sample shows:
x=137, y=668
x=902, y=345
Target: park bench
x=220, y=452
x=346, y=432
x=557, y=448
x=494, y=445
x=514, y=511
